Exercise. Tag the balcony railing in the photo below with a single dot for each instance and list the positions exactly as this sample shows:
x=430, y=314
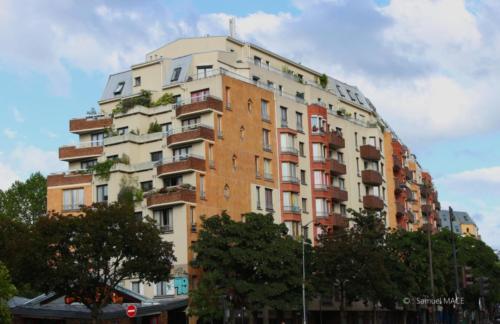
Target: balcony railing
x=289, y=179
x=319, y=158
x=369, y=152
x=268, y=176
x=183, y=163
x=339, y=194
x=64, y=179
x=84, y=125
x=289, y=150
x=337, y=167
x=371, y=177
x=166, y=228
x=72, y=207
x=291, y=209
x=340, y=220
x=371, y=202
x=267, y=147
x=83, y=150
x=172, y=195
x=320, y=186
x=190, y=134
x=322, y=213
x=198, y=105
x=336, y=140
x=397, y=163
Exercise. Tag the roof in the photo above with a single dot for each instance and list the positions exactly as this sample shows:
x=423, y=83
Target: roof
x=112, y=84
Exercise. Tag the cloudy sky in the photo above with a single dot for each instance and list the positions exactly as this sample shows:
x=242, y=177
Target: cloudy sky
x=432, y=68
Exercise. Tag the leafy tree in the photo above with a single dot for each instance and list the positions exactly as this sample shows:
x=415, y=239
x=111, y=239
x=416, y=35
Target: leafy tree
x=25, y=201
x=86, y=256
x=206, y=299
x=7, y=290
x=254, y=263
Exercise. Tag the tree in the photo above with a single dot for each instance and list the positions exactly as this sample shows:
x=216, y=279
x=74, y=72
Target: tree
x=253, y=263
x=25, y=201
x=7, y=290
x=86, y=256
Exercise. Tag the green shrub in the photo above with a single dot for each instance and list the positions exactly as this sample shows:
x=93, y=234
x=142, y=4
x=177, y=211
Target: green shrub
x=154, y=127
x=165, y=99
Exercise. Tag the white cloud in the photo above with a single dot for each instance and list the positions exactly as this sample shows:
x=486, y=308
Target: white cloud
x=9, y=133
x=7, y=176
x=18, y=116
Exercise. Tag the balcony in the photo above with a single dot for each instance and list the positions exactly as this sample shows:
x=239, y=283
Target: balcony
x=337, y=167
x=425, y=191
x=369, y=152
x=338, y=194
x=190, y=134
x=289, y=150
x=372, y=203
x=335, y=140
x=291, y=209
x=63, y=179
x=289, y=179
x=171, y=196
x=400, y=208
x=340, y=221
x=204, y=104
x=437, y=204
x=83, y=151
x=90, y=124
x=183, y=164
x=412, y=218
x=408, y=174
x=397, y=163
x=426, y=209
x=371, y=177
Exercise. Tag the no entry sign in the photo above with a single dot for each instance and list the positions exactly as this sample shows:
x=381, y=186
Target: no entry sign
x=131, y=311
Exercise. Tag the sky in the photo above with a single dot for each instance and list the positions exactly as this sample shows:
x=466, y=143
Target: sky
x=431, y=67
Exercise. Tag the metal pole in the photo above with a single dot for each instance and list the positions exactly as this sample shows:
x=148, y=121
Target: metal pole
x=304, y=274
x=453, y=246
x=429, y=247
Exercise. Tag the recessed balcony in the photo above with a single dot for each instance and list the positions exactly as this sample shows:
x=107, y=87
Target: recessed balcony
x=182, y=164
x=335, y=140
x=369, y=152
x=338, y=194
x=372, y=203
x=397, y=163
x=171, y=196
x=204, y=104
x=190, y=135
x=371, y=177
x=340, y=221
x=408, y=174
x=90, y=124
x=337, y=167
x=83, y=151
x=425, y=191
x=426, y=209
x=400, y=208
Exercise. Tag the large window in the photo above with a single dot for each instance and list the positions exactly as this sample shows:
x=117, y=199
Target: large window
x=175, y=74
x=264, y=109
x=291, y=202
x=102, y=194
x=293, y=228
x=319, y=180
x=321, y=207
x=88, y=164
x=166, y=128
x=317, y=124
x=181, y=153
x=172, y=181
x=97, y=139
x=318, y=152
x=200, y=95
x=165, y=219
x=146, y=186
x=191, y=123
x=73, y=199
x=299, y=125
x=156, y=156
x=289, y=172
x=268, y=173
x=284, y=116
x=266, y=142
x=165, y=288
x=204, y=71
x=119, y=88
x=287, y=143
x=269, y=199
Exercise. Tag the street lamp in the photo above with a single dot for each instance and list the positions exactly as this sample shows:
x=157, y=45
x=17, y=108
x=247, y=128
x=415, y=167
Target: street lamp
x=304, y=229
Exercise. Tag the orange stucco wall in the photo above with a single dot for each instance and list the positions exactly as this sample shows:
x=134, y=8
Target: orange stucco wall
x=391, y=199
x=55, y=196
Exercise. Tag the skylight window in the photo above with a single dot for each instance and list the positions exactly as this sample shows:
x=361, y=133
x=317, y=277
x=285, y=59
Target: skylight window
x=357, y=97
x=119, y=88
x=340, y=91
x=350, y=95
x=176, y=74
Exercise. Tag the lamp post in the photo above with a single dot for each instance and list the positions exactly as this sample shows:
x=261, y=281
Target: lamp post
x=453, y=246
x=304, y=231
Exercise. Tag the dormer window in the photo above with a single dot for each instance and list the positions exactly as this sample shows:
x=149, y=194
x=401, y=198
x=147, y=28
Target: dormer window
x=350, y=95
x=175, y=74
x=137, y=81
x=340, y=91
x=119, y=88
x=357, y=97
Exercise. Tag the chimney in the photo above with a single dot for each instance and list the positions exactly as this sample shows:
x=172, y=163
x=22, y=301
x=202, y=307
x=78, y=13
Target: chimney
x=232, y=27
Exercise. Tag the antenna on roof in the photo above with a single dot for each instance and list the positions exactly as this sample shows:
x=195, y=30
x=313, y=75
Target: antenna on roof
x=232, y=27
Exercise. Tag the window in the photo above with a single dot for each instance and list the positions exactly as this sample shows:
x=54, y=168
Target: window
x=211, y=155
x=204, y=71
x=291, y=202
x=343, y=209
x=303, y=177
x=321, y=207
x=350, y=95
x=112, y=157
x=280, y=90
x=265, y=140
x=96, y=139
x=301, y=149
x=249, y=105
x=137, y=81
x=284, y=116
x=382, y=169
x=288, y=172
x=356, y=139
x=220, y=134
x=84, y=165
x=122, y=130
x=257, y=192
x=287, y=143
x=200, y=95
x=191, y=123
x=147, y=185
x=318, y=152
x=293, y=228
x=156, y=156
x=319, y=180
x=257, y=60
x=119, y=88
x=172, y=181
x=73, y=199
x=357, y=97
x=269, y=199
x=357, y=166
x=317, y=124
x=359, y=191
x=304, y=205
x=228, y=98
x=175, y=74
x=270, y=85
x=136, y=287
x=181, y=153
x=264, y=110
x=299, y=126
x=267, y=169
x=165, y=219
x=166, y=128
x=138, y=216
x=165, y=288
x=257, y=168
x=102, y=194
x=202, y=186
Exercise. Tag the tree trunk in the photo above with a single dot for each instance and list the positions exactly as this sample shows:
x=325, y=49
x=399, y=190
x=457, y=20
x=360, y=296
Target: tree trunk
x=374, y=314
x=343, y=314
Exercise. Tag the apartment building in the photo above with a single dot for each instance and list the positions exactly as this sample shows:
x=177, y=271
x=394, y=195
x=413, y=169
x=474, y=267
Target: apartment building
x=246, y=130
x=462, y=223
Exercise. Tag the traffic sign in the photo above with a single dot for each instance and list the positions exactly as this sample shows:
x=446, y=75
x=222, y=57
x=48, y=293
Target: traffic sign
x=131, y=311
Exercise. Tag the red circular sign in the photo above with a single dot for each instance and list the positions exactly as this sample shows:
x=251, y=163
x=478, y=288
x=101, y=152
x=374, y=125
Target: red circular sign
x=131, y=310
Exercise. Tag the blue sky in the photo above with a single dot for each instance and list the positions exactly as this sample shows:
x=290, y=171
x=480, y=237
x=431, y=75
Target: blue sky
x=431, y=67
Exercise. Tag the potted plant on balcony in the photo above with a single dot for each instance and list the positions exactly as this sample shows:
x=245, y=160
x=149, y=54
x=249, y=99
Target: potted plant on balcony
x=341, y=112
